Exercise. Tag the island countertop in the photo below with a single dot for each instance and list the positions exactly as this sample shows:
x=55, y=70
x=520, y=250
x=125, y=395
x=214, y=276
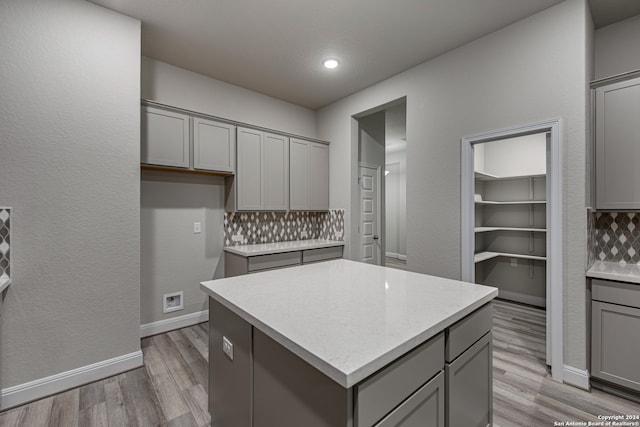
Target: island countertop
x=345, y=318
x=278, y=247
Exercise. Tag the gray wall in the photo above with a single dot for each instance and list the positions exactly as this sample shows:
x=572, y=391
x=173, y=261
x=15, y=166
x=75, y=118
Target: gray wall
x=172, y=257
x=171, y=203
x=70, y=168
x=617, y=48
x=530, y=71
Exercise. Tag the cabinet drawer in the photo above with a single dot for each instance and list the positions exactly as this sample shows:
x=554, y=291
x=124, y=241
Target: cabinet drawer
x=615, y=344
x=467, y=331
x=376, y=396
x=321, y=254
x=615, y=292
x=262, y=262
x=424, y=408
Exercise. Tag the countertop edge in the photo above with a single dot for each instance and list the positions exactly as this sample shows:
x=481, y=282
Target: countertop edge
x=348, y=380
x=595, y=273
x=246, y=253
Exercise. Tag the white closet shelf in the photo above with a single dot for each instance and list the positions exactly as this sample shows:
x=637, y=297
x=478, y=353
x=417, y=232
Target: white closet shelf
x=486, y=229
x=483, y=256
x=481, y=176
x=518, y=202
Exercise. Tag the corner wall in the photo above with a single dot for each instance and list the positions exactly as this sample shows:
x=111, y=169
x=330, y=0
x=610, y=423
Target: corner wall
x=69, y=167
x=533, y=70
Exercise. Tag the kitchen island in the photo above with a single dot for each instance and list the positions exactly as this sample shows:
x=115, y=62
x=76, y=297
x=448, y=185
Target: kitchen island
x=342, y=343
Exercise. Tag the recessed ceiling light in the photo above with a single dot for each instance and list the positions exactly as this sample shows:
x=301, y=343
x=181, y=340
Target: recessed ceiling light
x=330, y=63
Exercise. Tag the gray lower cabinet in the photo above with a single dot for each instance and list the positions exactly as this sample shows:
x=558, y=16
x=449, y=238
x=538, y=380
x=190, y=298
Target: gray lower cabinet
x=274, y=387
x=171, y=138
x=615, y=333
x=309, y=175
x=262, y=175
x=617, y=145
x=235, y=265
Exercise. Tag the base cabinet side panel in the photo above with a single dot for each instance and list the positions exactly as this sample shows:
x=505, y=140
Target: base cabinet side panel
x=229, y=380
x=469, y=385
x=288, y=392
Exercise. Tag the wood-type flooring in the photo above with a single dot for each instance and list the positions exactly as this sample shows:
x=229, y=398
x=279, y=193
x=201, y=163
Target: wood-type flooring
x=171, y=389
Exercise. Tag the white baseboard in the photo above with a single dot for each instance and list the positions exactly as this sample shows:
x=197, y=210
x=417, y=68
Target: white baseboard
x=27, y=392
x=165, y=325
x=576, y=377
x=525, y=299
x=397, y=256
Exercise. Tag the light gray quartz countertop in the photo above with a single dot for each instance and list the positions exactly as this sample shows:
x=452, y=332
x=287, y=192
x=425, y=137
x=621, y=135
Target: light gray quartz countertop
x=278, y=247
x=615, y=271
x=348, y=319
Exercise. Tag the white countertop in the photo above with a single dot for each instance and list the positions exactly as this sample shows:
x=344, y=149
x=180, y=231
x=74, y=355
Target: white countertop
x=615, y=271
x=4, y=283
x=348, y=319
x=277, y=247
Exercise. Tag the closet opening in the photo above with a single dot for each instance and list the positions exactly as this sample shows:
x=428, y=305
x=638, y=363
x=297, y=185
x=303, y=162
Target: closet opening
x=511, y=216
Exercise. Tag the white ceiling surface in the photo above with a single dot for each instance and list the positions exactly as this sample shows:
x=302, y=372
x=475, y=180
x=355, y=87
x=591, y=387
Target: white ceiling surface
x=276, y=47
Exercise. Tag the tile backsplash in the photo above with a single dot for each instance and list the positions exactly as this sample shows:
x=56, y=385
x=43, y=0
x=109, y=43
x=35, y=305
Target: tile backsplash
x=270, y=227
x=614, y=237
x=5, y=243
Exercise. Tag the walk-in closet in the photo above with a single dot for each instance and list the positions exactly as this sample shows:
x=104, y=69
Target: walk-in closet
x=510, y=207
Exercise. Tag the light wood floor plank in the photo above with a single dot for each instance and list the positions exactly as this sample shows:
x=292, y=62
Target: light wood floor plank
x=171, y=389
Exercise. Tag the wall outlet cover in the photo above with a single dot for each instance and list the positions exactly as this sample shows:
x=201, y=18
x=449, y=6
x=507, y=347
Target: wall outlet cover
x=173, y=302
x=237, y=237
x=227, y=347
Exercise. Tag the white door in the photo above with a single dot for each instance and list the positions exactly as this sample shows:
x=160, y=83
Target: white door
x=369, y=226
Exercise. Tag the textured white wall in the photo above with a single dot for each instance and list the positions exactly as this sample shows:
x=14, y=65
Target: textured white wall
x=173, y=258
x=70, y=168
x=617, y=48
x=531, y=71
x=175, y=86
x=525, y=155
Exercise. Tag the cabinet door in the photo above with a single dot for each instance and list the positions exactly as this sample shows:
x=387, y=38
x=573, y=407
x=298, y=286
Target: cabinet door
x=249, y=174
x=618, y=145
x=299, y=174
x=469, y=381
x=213, y=145
x=164, y=138
x=424, y=408
x=615, y=343
x=319, y=177
x=276, y=172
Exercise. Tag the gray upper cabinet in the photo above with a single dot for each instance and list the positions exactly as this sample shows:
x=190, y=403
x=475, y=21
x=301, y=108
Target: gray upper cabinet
x=309, y=175
x=165, y=138
x=171, y=138
x=262, y=174
x=213, y=145
x=618, y=145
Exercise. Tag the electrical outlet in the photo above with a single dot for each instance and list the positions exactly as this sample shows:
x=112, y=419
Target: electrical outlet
x=197, y=227
x=303, y=234
x=173, y=302
x=237, y=238
x=514, y=262
x=227, y=347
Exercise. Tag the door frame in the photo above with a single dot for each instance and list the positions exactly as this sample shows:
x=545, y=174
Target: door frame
x=379, y=217
x=555, y=285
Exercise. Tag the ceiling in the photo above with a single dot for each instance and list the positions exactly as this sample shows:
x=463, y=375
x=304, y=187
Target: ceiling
x=276, y=47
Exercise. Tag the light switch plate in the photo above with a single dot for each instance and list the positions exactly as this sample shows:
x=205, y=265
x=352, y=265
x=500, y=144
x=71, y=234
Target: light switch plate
x=227, y=347
x=237, y=238
x=197, y=227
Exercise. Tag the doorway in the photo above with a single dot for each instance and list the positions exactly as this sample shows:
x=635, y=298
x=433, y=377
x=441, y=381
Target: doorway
x=381, y=196
x=535, y=196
